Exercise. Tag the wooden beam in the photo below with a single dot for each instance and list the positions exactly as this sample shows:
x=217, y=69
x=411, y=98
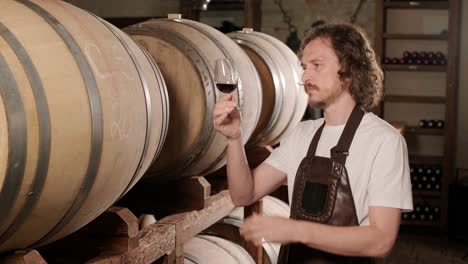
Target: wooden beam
x=189, y=9
x=189, y=224
x=156, y=241
x=253, y=14
x=254, y=251
x=23, y=257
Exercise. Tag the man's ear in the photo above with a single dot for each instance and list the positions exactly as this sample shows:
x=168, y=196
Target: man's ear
x=345, y=82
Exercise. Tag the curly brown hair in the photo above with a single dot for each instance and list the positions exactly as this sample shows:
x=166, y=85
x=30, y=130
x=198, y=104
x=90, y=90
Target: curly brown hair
x=357, y=59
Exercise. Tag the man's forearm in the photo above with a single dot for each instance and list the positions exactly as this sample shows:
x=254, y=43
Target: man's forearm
x=347, y=241
x=241, y=187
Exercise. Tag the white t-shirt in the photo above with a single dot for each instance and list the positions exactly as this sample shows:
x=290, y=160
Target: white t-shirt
x=377, y=164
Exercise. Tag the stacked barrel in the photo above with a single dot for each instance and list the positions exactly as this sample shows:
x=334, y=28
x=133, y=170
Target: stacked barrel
x=88, y=110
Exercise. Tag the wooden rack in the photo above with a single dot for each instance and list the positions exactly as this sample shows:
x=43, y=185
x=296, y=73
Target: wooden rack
x=188, y=206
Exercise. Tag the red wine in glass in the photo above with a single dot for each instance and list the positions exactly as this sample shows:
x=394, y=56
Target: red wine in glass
x=226, y=87
x=225, y=75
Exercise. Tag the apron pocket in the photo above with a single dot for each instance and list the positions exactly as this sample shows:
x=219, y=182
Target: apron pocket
x=314, y=198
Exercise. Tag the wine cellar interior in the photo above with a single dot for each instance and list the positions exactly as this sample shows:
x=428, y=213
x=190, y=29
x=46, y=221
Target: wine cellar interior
x=110, y=147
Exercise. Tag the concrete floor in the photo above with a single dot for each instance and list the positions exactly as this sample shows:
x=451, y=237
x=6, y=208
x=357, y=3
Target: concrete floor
x=427, y=249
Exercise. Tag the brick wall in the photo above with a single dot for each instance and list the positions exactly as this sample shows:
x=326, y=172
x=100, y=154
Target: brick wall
x=304, y=12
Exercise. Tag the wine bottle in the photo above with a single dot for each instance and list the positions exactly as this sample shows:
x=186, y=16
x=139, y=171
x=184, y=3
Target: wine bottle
x=414, y=55
x=436, y=212
x=439, y=55
x=420, y=171
x=430, y=124
x=428, y=187
x=414, y=181
x=405, y=216
x=422, y=123
x=422, y=217
x=423, y=55
x=387, y=60
x=440, y=123
x=395, y=60
x=406, y=54
x=417, y=207
x=428, y=171
x=424, y=179
x=430, y=55
x=427, y=208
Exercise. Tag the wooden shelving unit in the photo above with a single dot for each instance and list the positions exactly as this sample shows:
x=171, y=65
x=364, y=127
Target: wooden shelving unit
x=391, y=38
x=420, y=223
x=421, y=68
x=416, y=99
x=417, y=4
x=424, y=131
x=416, y=36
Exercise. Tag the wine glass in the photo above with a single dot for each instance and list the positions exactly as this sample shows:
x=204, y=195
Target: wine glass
x=225, y=75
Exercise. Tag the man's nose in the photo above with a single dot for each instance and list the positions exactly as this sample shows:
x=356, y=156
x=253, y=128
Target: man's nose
x=305, y=76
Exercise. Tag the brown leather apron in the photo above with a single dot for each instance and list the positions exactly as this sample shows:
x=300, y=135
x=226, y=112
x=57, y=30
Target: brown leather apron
x=322, y=194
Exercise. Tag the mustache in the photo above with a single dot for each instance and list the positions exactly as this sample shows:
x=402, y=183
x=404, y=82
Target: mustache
x=309, y=86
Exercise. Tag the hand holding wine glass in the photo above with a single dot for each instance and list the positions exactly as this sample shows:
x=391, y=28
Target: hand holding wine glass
x=226, y=115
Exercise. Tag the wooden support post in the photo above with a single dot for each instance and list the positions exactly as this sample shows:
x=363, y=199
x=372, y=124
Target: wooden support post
x=112, y=233
x=188, y=225
x=23, y=257
x=173, y=197
x=254, y=251
x=189, y=9
x=156, y=241
x=253, y=14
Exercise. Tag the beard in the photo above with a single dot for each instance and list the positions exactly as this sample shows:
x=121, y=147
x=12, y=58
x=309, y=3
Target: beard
x=321, y=98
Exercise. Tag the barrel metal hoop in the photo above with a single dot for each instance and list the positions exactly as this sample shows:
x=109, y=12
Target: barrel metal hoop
x=192, y=258
x=279, y=87
x=43, y=117
x=207, y=238
x=295, y=75
x=239, y=89
x=96, y=116
x=146, y=92
x=197, y=57
x=164, y=102
x=17, y=139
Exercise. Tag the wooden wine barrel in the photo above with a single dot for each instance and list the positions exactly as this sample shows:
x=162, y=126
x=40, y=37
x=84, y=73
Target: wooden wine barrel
x=82, y=116
x=204, y=249
x=228, y=227
x=284, y=100
x=185, y=51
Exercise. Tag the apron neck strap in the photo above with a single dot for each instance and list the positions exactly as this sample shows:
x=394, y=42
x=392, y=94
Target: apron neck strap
x=340, y=151
x=315, y=140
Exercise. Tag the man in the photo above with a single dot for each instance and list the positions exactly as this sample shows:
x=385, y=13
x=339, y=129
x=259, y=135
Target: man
x=347, y=173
